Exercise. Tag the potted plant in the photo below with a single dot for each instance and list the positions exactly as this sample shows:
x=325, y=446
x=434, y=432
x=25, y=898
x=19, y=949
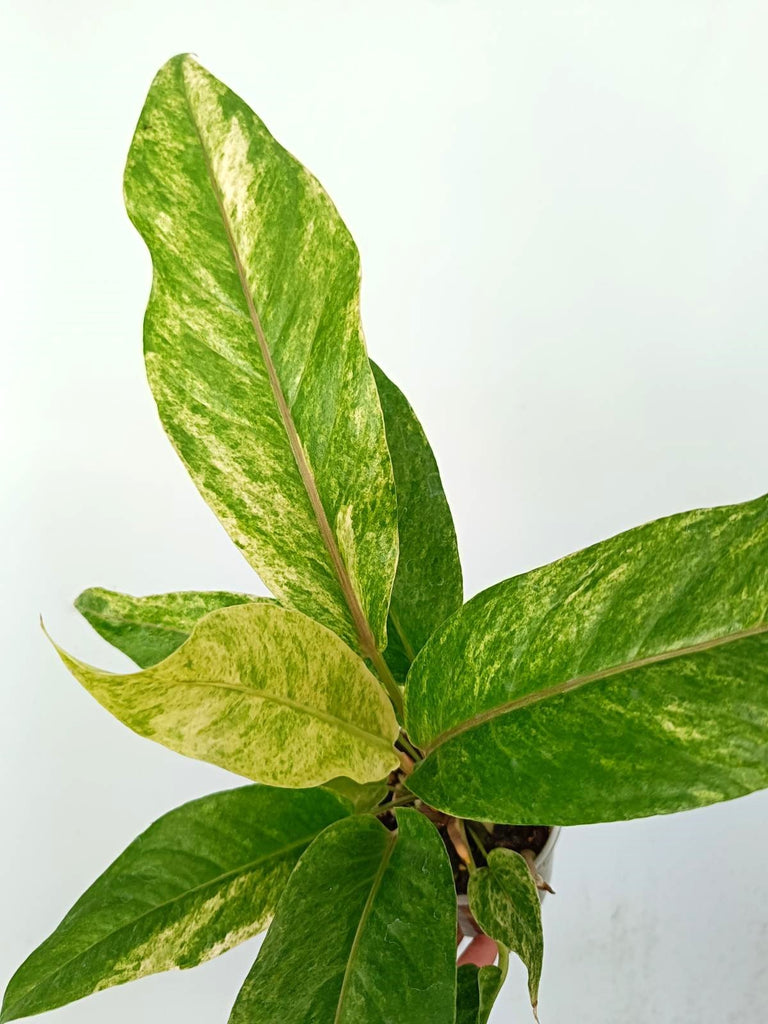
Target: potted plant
x=411, y=753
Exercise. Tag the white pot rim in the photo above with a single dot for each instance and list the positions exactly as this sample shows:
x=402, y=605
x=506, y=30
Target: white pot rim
x=548, y=847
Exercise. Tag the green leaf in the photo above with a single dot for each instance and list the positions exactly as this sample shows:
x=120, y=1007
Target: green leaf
x=505, y=903
x=362, y=797
x=262, y=691
x=148, y=629
x=476, y=992
x=428, y=585
x=467, y=994
x=255, y=352
x=365, y=931
x=489, y=980
x=201, y=879
x=628, y=679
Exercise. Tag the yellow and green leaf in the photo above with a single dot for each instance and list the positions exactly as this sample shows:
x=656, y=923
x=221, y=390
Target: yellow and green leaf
x=625, y=680
x=255, y=352
x=265, y=692
x=200, y=880
x=150, y=628
x=505, y=903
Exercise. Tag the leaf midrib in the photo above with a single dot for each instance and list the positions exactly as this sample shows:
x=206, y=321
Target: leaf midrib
x=359, y=621
x=324, y=716
x=366, y=913
x=216, y=880
x=577, y=682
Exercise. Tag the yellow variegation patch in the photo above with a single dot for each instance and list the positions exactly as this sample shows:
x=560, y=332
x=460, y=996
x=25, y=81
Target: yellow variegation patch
x=255, y=352
x=265, y=692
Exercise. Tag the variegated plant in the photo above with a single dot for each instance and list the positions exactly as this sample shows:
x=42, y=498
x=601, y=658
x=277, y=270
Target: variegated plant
x=391, y=731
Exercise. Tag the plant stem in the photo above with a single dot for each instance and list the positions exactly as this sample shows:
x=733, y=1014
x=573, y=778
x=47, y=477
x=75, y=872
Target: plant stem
x=415, y=753
x=478, y=843
x=458, y=837
x=385, y=808
x=388, y=682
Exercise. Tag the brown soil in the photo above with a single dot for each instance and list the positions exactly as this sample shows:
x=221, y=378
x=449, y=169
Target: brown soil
x=511, y=837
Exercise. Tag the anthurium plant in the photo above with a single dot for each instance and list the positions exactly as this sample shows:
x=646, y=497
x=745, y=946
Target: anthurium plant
x=401, y=746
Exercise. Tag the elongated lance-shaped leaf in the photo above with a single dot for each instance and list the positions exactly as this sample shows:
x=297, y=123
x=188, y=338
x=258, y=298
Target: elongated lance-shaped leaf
x=255, y=352
x=262, y=691
x=505, y=903
x=628, y=679
x=150, y=628
x=365, y=931
x=428, y=585
x=203, y=878
x=476, y=991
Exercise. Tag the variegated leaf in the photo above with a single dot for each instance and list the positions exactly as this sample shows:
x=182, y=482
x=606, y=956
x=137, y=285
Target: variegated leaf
x=255, y=352
x=265, y=692
x=150, y=628
x=428, y=585
x=365, y=931
x=628, y=679
x=505, y=903
x=201, y=879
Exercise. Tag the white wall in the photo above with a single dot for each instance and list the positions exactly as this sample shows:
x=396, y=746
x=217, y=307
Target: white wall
x=563, y=217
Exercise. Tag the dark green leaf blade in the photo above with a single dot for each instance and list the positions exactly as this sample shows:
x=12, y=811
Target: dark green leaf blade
x=505, y=903
x=262, y=691
x=476, y=991
x=428, y=585
x=150, y=628
x=255, y=352
x=489, y=980
x=625, y=680
x=467, y=994
x=201, y=879
x=365, y=931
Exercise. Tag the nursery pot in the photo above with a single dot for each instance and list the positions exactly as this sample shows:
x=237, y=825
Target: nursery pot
x=544, y=863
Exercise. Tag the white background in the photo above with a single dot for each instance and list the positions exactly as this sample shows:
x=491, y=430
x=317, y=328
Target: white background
x=563, y=218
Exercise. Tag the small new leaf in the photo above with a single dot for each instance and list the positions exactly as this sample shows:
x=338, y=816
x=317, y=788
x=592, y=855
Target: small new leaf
x=505, y=903
x=476, y=991
x=201, y=879
x=362, y=797
x=262, y=691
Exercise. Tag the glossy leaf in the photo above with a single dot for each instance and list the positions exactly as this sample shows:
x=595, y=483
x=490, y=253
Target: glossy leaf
x=505, y=903
x=628, y=679
x=201, y=879
x=262, y=691
x=365, y=931
x=255, y=352
x=428, y=584
x=476, y=992
x=150, y=628
x=361, y=796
